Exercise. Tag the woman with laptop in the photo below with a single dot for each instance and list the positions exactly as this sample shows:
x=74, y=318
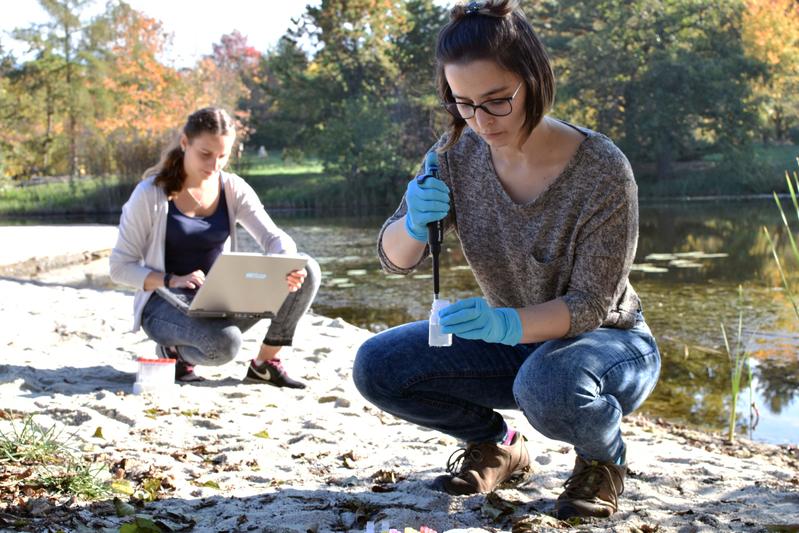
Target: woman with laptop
x=547, y=216
x=176, y=222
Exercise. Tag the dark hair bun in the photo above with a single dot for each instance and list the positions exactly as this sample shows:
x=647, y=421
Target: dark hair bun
x=488, y=8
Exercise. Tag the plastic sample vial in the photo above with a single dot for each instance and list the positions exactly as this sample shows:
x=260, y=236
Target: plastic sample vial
x=155, y=376
x=435, y=337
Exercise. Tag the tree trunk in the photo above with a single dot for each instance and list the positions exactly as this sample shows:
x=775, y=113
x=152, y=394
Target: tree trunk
x=72, y=123
x=49, y=132
x=779, y=124
x=664, y=154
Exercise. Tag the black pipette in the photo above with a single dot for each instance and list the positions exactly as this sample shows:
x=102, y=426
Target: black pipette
x=435, y=230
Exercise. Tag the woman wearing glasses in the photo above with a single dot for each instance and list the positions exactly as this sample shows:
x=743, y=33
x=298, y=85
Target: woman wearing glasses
x=547, y=217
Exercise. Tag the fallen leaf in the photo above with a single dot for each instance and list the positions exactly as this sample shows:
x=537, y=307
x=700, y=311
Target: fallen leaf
x=140, y=525
x=262, y=434
x=495, y=507
x=123, y=508
x=122, y=486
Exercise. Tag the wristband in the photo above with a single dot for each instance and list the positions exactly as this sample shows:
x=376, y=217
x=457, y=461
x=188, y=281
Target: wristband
x=167, y=278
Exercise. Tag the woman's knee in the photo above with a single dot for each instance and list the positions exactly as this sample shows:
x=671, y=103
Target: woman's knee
x=549, y=390
x=387, y=363
x=367, y=369
x=314, y=277
x=224, y=346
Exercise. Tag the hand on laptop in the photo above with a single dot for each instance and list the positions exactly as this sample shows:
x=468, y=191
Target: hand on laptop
x=194, y=280
x=295, y=279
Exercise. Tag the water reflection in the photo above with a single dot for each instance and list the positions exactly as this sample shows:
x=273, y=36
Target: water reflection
x=685, y=297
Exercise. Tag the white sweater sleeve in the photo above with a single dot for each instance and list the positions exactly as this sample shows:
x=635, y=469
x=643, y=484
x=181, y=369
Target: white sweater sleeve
x=135, y=233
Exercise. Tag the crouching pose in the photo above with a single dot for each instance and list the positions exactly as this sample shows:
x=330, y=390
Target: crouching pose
x=173, y=227
x=546, y=213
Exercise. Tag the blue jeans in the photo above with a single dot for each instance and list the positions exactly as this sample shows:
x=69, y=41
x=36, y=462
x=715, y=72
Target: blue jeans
x=216, y=341
x=574, y=390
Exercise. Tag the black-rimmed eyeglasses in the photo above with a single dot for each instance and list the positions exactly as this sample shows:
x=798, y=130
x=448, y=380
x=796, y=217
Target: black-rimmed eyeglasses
x=498, y=107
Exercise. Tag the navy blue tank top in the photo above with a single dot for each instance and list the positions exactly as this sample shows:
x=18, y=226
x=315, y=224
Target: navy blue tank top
x=193, y=243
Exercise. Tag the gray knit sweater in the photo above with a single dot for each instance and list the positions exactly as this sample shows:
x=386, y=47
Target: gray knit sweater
x=576, y=241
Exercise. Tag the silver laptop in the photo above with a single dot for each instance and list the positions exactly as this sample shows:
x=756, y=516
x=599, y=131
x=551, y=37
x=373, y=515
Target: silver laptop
x=238, y=285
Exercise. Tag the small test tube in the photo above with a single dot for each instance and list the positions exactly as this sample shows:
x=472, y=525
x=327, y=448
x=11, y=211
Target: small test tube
x=435, y=337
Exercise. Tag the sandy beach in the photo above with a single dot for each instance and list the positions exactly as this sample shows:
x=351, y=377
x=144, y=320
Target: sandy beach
x=229, y=456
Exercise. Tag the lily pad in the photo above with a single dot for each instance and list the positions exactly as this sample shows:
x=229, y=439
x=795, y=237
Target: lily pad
x=648, y=268
x=685, y=263
x=660, y=257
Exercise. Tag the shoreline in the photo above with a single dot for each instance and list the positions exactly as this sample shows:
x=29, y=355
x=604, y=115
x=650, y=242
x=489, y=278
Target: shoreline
x=86, y=216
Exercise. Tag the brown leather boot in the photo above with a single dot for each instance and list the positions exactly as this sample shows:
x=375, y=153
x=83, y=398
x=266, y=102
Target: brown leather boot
x=592, y=490
x=481, y=467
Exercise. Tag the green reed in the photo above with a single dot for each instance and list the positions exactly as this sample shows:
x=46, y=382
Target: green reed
x=740, y=359
x=793, y=186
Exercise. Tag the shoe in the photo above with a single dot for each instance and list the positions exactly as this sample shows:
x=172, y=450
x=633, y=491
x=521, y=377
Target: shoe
x=593, y=489
x=271, y=371
x=184, y=372
x=484, y=466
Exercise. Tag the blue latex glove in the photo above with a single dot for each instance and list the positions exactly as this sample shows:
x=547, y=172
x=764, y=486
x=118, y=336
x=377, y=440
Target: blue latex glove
x=473, y=318
x=427, y=202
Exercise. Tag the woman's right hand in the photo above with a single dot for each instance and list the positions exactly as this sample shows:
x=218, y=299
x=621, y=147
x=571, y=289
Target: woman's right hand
x=427, y=202
x=189, y=281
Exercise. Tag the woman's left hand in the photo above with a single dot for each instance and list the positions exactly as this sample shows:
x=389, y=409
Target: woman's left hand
x=473, y=318
x=295, y=279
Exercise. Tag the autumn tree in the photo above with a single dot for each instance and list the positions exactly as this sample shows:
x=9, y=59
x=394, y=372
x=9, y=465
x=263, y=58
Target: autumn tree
x=135, y=94
x=52, y=89
x=771, y=36
x=66, y=29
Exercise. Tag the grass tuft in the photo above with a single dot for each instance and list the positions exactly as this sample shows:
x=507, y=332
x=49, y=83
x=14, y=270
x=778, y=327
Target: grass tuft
x=31, y=444
x=44, y=459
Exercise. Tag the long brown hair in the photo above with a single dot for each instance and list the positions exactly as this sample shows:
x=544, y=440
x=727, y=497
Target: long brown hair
x=169, y=172
x=495, y=30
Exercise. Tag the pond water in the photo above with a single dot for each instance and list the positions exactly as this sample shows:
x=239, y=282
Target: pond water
x=692, y=257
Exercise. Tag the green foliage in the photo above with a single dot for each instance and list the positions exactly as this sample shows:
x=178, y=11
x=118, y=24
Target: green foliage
x=88, y=195
x=369, y=83
x=661, y=77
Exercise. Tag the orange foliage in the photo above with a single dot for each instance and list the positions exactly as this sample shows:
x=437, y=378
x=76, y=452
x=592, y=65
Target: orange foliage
x=147, y=96
x=771, y=30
